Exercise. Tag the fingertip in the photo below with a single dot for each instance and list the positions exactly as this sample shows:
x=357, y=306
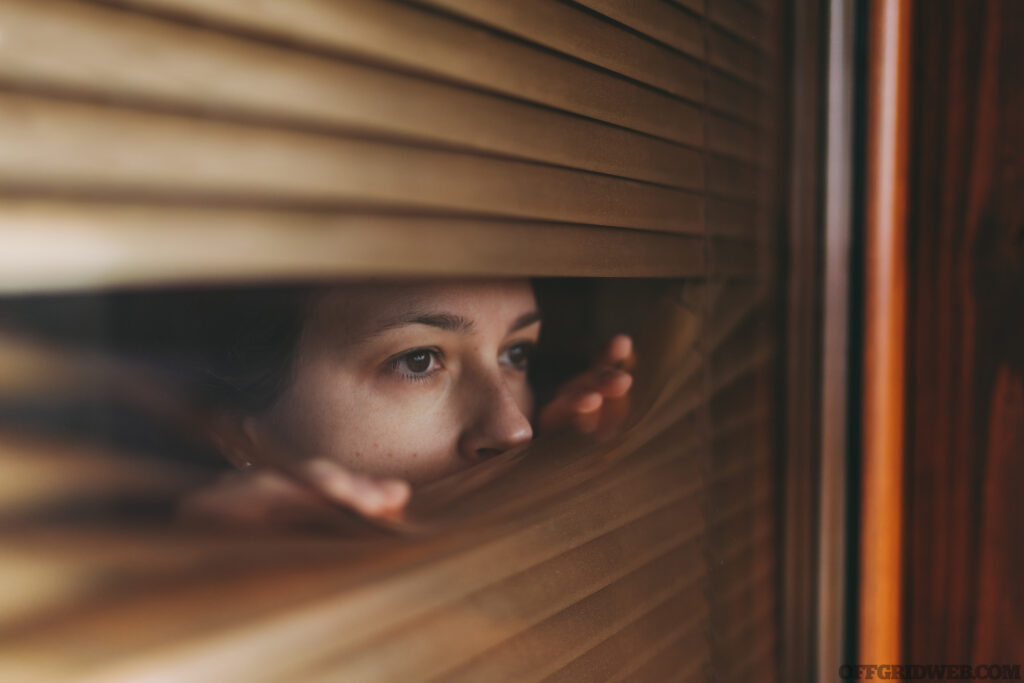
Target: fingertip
x=396, y=491
x=620, y=385
x=620, y=346
x=589, y=402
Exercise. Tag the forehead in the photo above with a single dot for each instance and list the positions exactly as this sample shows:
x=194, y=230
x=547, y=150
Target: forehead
x=353, y=311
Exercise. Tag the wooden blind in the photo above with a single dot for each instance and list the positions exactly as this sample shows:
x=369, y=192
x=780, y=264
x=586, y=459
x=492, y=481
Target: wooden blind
x=182, y=142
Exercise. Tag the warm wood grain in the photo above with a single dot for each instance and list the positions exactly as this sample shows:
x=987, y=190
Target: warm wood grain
x=56, y=245
x=96, y=51
x=422, y=41
x=885, y=281
x=659, y=20
x=581, y=35
x=965, y=415
x=52, y=146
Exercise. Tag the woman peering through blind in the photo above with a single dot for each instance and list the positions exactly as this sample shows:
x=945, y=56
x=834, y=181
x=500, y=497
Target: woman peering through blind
x=351, y=395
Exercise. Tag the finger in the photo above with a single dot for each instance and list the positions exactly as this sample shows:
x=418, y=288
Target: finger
x=374, y=498
x=588, y=402
x=613, y=412
x=587, y=422
x=262, y=497
x=613, y=383
x=569, y=403
x=619, y=352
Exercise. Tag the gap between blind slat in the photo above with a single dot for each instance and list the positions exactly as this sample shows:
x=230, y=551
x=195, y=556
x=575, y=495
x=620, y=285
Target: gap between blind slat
x=683, y=654
x=743, y=21
x=696, y=6
x=624, y=647
x=59, y=146
x=657, y=19
x=422, y=41
x=544, y=648
x=735, y=57
x=738, y=99
x=566, y=29
x=101, y=51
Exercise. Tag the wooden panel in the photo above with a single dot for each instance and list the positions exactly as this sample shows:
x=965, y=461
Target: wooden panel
x=56, y=146
x=581, y=35
x=421, y=41
x=93, y=50
x=965, y=337
x=60, y=244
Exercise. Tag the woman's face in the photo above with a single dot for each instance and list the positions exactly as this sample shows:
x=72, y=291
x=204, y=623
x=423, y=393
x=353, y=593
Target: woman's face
x=412, y=380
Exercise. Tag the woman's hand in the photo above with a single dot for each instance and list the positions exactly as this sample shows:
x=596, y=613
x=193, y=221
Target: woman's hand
x=279, y=492
x=597, y=400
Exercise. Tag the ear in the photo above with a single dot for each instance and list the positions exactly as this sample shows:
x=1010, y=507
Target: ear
x=234, y=436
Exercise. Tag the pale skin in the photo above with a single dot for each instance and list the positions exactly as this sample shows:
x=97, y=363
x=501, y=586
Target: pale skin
x=397, y=385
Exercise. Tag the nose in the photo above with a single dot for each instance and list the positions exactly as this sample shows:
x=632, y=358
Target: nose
x=496, y=421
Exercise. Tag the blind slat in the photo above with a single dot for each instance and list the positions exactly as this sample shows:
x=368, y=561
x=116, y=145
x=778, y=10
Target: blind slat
x=566, y=29
x=53, y=245
x=736, y=98
x=736, y=57
x=657, y=19
x=653, y=545
x=733, y=138
x=678, y=657
x=278, y=617
x=741, y=19
x=420, y=41
x=100, y=51
x=732, y=179
x=624, y=649
x=542, y=649
x=56, y=146
x=730, y=218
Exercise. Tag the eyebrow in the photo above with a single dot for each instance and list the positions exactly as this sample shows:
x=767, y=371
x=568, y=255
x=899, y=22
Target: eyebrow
x=525, y=320
x=449, y=322
x=446, y=321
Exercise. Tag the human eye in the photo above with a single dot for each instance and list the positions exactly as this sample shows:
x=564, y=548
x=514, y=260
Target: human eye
x=517, y=356
x=416, y=365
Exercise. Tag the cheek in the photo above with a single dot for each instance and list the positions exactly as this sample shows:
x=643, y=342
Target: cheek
x=379, y=428
x=412, y=433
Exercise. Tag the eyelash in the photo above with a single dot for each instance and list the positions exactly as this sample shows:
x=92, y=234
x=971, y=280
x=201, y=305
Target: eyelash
x=435, y=359
x=527, y=347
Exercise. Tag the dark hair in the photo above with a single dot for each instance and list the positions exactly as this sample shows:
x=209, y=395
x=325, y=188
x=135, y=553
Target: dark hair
x=231, y=349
